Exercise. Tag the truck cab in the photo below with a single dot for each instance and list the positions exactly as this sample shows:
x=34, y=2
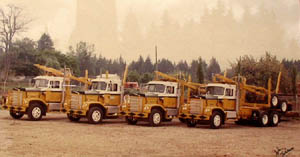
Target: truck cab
x=221, y=91
x=45, y=95
x=159, y=103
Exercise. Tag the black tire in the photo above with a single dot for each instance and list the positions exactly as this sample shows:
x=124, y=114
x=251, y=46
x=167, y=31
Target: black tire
x=16, y=115
x=191, y=123
x=274, y=118
x=35, y=112
x=131, y=120
x=216, y=120
x=283, y=106
x=263, y=119
x=72, y=118
x=182, y=120
x=95, y=115
x=155, y=117
x=274, y=101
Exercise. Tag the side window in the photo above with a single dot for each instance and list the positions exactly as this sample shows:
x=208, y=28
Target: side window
x=51, y=84
x=229, y=92
x=57, y=84
x=170, y=90
x=115, y=87
x=54, y=84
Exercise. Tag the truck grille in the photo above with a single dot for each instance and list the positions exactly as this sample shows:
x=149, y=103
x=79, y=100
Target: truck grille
x=135, y=104
x=76, y=101
x=16, y=98
x=196, y=106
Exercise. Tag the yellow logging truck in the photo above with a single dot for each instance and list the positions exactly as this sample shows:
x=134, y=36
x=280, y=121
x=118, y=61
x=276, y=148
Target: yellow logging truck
x=227, y=99
x=101, y=101
x=160, y=103
x=47, y=94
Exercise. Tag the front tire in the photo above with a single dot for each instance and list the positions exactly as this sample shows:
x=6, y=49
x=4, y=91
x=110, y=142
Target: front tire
x=274, y=118
x=216, y=120
x=155, y=117
x=131, y=120
x=35, y=112
x=95, y=115
x=72, y=118
x=16, y=115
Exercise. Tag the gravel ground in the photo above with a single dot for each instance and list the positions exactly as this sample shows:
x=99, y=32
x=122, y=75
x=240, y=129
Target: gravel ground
x=56, y=136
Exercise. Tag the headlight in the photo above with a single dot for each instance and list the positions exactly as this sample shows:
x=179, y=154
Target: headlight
x=184, y=108
x=146, y=108
x=207, y=110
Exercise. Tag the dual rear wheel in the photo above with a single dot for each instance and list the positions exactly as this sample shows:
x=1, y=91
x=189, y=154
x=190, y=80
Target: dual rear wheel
x=269, y=119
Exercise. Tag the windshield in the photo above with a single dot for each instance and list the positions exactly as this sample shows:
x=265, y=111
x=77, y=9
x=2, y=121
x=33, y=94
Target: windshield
x=159, y=88
x=40, y=83
x=215, y=90
x=98, y=86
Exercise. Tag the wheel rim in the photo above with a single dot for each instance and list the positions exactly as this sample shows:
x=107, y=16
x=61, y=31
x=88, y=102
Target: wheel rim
x=217, y=120
x=274, y=101
x=275, y=118
x=96, y=116
x=36, y=112
x=156, y=118
x=283, y=106
x=265, y=119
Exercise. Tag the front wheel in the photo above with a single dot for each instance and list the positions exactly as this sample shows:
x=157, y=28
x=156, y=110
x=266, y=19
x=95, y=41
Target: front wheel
x=34, y=112
x=16, y=115
x=131, y=120
x=216, y=120
x=95, y=115
x=155, y=117
x=72, y=118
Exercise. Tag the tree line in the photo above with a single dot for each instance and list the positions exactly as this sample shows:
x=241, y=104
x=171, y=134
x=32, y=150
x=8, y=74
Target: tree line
x=18, y=56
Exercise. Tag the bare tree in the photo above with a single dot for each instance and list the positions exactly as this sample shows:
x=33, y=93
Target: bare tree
x=12, y=22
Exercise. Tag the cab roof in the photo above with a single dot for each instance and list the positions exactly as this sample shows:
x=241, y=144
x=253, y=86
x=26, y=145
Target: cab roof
x=166, y=83
x=55, y=78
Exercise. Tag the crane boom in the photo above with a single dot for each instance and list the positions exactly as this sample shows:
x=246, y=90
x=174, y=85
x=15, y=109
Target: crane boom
x=61, y=74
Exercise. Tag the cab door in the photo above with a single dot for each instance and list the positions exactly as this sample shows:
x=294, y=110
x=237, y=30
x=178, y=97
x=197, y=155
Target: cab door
x=54, y=92
x=113, y=96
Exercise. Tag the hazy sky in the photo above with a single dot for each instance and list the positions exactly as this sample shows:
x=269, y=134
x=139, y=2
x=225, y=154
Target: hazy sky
x=57, y=17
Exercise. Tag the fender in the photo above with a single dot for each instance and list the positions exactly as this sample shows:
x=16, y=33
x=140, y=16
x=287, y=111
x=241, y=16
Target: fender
x=27, y=101
x=86, y=105
x=209, y=110
x=148, y=107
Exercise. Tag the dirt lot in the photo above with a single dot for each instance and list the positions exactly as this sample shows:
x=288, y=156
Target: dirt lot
x=56, y=136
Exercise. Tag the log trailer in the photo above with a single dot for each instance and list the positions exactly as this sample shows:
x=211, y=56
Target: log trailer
x=161, y=102
x=48, y=94
x=226, y=99
x=101, y=101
